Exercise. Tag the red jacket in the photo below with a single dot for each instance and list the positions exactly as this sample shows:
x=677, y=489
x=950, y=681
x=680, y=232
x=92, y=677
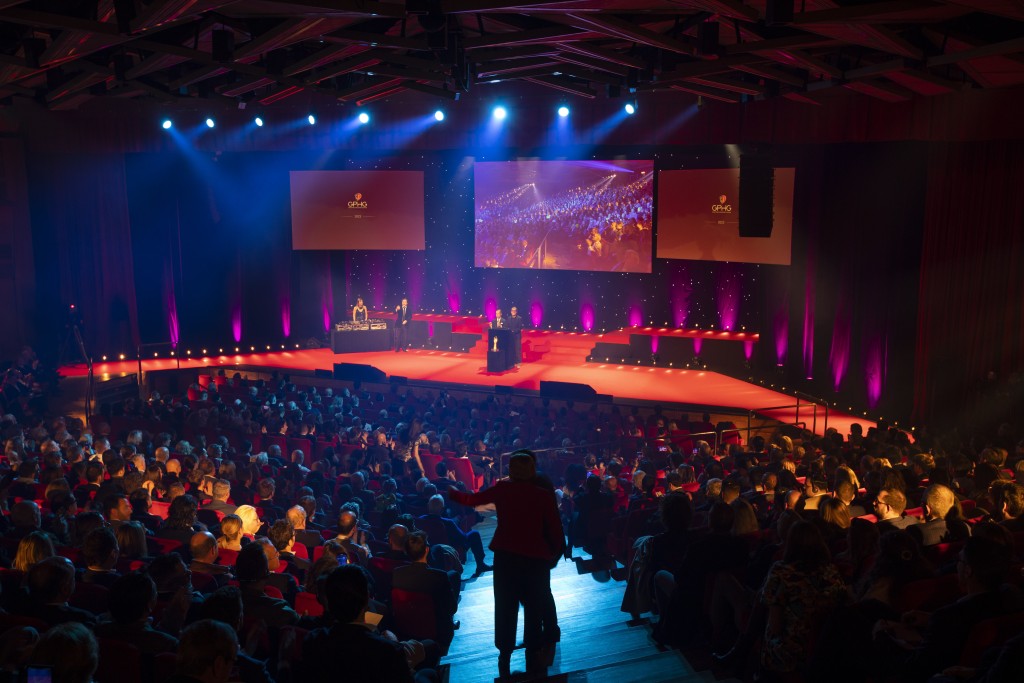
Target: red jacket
x=528, y=521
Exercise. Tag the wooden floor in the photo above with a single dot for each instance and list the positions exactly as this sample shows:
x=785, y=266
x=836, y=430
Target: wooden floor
x=598, y=643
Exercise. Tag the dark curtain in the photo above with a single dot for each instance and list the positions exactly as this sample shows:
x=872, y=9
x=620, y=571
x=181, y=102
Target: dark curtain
x=971, y=316
x=83, y=248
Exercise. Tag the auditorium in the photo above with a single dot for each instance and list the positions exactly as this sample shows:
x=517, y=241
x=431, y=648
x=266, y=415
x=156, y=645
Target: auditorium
x=582, y=341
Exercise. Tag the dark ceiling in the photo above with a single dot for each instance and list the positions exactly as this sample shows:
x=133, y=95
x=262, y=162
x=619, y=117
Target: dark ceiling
x=62, y=53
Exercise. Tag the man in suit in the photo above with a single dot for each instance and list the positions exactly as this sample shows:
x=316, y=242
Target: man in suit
x=348, y=529
x=310, y=538
x=419, y=578
x=515, y=326
x=219, y=502
x=457, y=538
x=499, y=323
x=398, y=534
x=403, y=316
x=203, y=548
x=282, y=535
x=889, y=505
x=938, y=501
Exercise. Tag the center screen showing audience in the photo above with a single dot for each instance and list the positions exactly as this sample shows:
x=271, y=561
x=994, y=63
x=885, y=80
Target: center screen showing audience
x=357, y=210
x=699, y=218
x=564, y=215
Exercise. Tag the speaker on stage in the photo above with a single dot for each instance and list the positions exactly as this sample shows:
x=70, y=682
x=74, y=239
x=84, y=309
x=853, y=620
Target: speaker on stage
x=502, y=390
x=399, y=380
x=757, y=195
x=355, y=372
x=568, y=391
x=323, y=374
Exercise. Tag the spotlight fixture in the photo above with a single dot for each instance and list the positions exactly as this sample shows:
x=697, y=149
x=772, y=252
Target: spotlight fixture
x=364, y=117
x=500, y=113
x=439, y=115
x=167, y=124
x=563, y=111
x=258, y=121
x=210, y=123
x=630, y=108
x=311, y=119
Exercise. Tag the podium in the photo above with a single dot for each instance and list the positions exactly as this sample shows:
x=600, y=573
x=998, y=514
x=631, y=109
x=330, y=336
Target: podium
x=500, y=352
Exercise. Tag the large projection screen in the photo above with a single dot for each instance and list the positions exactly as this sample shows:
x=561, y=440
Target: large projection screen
x=698, y=218
x=564, y=215
x=357, y=210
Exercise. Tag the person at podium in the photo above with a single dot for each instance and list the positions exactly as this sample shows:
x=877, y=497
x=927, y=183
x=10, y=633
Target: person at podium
x=515, y=325
x=359, y=312
x=499, y=323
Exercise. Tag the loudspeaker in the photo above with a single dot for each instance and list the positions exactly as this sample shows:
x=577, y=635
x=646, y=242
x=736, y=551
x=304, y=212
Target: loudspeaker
x=223, y=45
x=569, y=391
x=502, y=390
x=399, y=380
x=354, y=372
x=323, y=374
x=757, y=195
x=707, y=38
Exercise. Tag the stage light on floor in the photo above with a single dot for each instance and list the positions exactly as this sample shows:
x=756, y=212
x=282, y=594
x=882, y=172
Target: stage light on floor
x=311, y=119
x=104, y=357
x=210, y=123
x=121, y=356
x=364, y=117
x=630, y=108
x=500, y=113
x=258, y=121
x=563, y=111
x=439, y=115
x=167, y=124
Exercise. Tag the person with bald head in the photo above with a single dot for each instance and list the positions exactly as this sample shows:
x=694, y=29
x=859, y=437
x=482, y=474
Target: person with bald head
x=348, y=528
x=204, y=550
x=527, y=544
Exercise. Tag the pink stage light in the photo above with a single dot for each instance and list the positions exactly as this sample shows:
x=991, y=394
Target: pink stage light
x=453, y=301
x=839, y=355
x=172, y=324
x=748, y=349
x=875, y=368
x=680, y=296
x=587, y=317
x=236, y=322
x=636, y=317
x=728, y=297
x=697, y=344
x=781, y=328
x=490, y=306
x=654, y=343
x=536, y=313
x=286, y=317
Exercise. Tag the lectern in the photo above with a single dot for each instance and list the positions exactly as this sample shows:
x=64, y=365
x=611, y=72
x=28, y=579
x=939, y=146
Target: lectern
x=500, y=354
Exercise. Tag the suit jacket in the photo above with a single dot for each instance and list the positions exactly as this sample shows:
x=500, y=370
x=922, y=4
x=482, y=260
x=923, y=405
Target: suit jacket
x=515, y=323
x=896, y=523
x=499, y=324
x=400, y=317
x=220, y=506
x=936, y=531
x=354, y=653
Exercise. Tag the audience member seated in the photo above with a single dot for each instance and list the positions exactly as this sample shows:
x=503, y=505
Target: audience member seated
x=286, y=583
x=204, y=550
x=253, y=571
x=441, y=587
x=50, y=583
x=457, y=538
x=225, y=605
x=142, y=502
x=219, y=502
x=889, y=505
x=100, y=554
x=938, y=525
x=398, y=534
x=364, y=654
x=181, y=523
x=24, y=518
x=71, y=652
x=282, y=535
x=310, y=538
x=207, y=651
x=230, y=533
x=131, y=603
x=348, y=531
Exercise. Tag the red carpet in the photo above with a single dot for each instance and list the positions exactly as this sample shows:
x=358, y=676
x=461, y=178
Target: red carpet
x=562, y=358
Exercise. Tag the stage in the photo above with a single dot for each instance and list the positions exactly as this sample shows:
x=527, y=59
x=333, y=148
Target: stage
x=548, y=356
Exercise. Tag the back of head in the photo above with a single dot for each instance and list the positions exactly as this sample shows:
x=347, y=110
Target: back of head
x=100, y=548
x=834, y=511
x=204, y=645
x=521, y=467
x=250, y=518
x=251, y=564
x=71, y=650
x=845, y=492
x=201, y=544
x=33, y=548
x=744, y=518
x=182, y=512
x=676, y=512
x=721, y=518
x=131, y=597
x=347, y=593
x=50, y=579
x=987, y=560
x=805, y=547
x=221, y=489
x=25, y=515
x=416, y=546
x=281, y=534
x=168, y=572
x=940, y=500
x=397, y=535
x=224, y=604
x=435, y=505
x=895, y=499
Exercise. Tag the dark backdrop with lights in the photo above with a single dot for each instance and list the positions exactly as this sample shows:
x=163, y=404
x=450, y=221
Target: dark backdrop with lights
x=159, y=241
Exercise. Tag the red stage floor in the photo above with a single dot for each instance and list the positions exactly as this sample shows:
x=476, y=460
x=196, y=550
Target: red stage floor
x=565, y=362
